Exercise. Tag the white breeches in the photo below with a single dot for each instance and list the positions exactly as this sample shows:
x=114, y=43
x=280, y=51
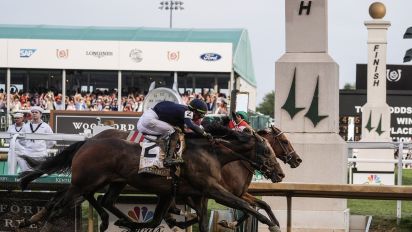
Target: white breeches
x=150, y=124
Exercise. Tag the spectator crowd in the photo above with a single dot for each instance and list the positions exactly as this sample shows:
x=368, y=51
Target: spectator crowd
x=101, y=101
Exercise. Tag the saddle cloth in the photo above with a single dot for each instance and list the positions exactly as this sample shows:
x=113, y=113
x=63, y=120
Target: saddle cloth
x=151, y=156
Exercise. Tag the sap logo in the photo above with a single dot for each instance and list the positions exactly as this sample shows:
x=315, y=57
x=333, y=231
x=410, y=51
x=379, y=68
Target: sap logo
x=210, y=57
x=26, y=53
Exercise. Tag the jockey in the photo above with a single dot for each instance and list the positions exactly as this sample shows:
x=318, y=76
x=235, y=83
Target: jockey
x=239, y=122
x=165, y=115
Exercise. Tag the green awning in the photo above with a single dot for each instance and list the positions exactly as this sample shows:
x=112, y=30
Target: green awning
x=242, y=54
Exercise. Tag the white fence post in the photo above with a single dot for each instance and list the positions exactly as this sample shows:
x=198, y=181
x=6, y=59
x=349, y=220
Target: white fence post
x=400, y=167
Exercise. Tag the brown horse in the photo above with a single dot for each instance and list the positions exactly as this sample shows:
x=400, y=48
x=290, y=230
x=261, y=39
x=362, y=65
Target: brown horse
x=96, y=165
x=233, y=176
x=233, y=173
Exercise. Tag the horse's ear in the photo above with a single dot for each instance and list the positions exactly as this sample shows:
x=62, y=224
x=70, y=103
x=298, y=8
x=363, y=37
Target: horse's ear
x=247, y=130
x=257, y=136
x=263, y=132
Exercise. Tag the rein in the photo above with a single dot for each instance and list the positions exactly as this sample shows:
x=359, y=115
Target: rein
x=254, y=164
x=288, y=155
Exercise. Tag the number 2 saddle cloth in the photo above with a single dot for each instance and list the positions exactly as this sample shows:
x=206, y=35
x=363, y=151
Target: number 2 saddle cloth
x=153, y=152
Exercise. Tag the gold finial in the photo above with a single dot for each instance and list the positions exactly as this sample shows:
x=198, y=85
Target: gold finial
x=377, y=10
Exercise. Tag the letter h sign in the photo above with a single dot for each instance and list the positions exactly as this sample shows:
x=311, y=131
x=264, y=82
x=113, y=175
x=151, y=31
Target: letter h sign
x=305, y=6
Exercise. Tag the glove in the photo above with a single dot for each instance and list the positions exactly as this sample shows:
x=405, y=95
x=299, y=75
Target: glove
x=208, y=136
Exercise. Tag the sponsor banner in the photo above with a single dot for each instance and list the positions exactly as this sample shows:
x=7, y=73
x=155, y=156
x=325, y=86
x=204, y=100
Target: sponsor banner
x=51, y=179
x=176, y=56
x=62, y=54
x=116, y=55
x=16, y=206
x=374, y=178
x=82, y=122
x=351, y=102
x=397, y=77
x=141, y=209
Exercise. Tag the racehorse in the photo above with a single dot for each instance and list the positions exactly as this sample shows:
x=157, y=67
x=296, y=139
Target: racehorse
x=232, y=173
x=96, y=164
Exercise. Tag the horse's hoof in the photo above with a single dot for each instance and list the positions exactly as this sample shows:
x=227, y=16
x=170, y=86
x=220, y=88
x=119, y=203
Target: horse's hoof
x=123, y=224
x=229, y=225
x=274, y=228
x=24, y=223
x=226, y=224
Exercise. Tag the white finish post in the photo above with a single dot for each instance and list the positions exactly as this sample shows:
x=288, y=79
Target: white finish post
x=307, y=109
x=400, y=167
x=376, y=119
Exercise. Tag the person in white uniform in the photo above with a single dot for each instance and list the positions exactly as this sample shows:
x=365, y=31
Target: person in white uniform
x=16, y=148
x=36, y=148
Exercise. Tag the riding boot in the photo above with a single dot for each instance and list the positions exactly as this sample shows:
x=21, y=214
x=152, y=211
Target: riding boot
x=170, y=159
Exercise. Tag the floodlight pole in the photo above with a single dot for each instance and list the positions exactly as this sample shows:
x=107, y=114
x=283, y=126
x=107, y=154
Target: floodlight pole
x=171, y=5
x=171, y=17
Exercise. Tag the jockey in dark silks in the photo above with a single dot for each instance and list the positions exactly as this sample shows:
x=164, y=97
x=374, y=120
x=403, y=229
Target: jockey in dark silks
x=165, y=115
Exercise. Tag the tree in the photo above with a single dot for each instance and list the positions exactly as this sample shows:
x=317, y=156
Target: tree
x=267, y=107
x=349, y=86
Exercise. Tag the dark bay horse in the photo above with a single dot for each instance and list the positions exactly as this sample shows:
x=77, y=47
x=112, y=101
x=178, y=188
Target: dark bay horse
x=232, y=176
x=97, y=164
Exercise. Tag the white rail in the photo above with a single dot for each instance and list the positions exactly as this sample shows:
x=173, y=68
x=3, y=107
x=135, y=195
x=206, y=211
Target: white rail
x=12, y=158
x=381, y=145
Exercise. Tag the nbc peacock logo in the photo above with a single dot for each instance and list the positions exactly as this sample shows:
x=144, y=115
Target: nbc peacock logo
x=140, y=214
x=374, y=179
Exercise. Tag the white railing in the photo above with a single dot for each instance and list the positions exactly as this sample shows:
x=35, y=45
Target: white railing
x=12, y=137
x=381, y=145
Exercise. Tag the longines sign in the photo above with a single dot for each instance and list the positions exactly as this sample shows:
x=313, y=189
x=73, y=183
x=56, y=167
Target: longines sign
x=75, y=122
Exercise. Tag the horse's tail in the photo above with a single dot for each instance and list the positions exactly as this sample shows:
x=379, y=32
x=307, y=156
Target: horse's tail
x=59, y=163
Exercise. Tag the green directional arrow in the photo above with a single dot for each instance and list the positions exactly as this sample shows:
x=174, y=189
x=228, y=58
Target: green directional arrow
x=313, y=112
x=369, y=124
x=290, y=104
x=379, y=128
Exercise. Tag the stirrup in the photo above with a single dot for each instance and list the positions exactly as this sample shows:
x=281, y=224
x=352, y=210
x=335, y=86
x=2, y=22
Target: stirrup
x=169, y=161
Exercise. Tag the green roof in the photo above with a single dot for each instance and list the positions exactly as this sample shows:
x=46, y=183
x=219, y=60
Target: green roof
x=242, y=54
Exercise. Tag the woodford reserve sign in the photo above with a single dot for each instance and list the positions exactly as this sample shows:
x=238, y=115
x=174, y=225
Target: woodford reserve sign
x=17, y=206
x=76, y=122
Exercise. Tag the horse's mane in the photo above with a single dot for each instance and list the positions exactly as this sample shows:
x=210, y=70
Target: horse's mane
x=218, y=130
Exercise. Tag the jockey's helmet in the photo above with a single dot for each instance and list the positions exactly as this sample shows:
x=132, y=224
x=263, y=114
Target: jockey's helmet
x=198, y=106
x=243, y=115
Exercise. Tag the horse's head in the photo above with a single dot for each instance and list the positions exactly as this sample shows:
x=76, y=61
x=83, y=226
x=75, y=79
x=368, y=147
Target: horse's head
x=266, y=160
x=252, y=147
x=281, y=145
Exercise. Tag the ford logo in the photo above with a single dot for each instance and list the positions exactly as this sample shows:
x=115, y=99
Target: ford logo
x=210, y=57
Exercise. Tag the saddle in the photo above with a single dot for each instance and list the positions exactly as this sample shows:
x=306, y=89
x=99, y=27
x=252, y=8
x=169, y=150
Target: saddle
x=155, y=150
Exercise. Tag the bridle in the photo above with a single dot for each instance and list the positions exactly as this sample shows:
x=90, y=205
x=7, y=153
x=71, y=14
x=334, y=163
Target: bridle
x=289, y=154
x=261, y=167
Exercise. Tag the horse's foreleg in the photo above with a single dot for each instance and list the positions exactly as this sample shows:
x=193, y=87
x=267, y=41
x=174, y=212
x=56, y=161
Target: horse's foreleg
x=222, y=196
x=202, y=213
x=104, y=216
x=190, y=217
x=261, y=204
x=109, y=199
